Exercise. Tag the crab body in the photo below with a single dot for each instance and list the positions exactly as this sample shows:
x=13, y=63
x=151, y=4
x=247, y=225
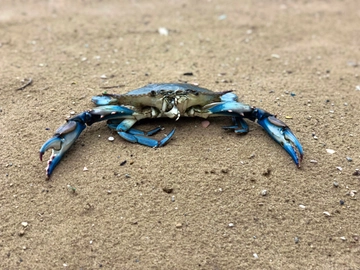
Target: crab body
x=172, y=100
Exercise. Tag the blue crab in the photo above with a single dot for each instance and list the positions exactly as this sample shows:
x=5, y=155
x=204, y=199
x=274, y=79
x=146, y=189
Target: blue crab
x=173, y=100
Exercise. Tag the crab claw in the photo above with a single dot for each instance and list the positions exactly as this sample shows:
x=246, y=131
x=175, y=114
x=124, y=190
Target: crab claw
x=62, y=140
x=281, y=133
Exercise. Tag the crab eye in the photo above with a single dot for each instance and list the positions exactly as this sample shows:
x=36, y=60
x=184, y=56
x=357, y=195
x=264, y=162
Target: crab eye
x=152, y=93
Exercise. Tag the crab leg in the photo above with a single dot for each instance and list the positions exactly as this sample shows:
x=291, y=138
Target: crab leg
x=136, y=136
x=280, y=132
x=66, y=135
x=276, y=129
x=119, y=118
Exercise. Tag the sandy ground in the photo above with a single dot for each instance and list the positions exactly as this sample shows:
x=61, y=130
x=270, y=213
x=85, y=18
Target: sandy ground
x=123, y=217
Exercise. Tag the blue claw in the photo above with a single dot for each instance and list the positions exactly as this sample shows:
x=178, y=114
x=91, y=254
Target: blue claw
x=63, y=138
x=281, y=133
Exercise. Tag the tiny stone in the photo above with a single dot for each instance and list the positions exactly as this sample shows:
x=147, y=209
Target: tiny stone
x=330, y=151
x=313, y=161
x=327, y=213
x=352, y=193
x=109, y=192
x=72, y=112
x=85, y=169
x=205, y=124
x=173, y=198
x=163, y=31
x=231, y=225
x=255, y=256
x=178, y=225
x=349, y=159
x=21, y=233
x=357, y=88
x=302, y=206
x=336, y=184
x=111, y=139
x=296, y=240
x=24, y=224
x=264, y=192
x=343, y=238
x=339, y=168
x=342, y=202
x=274, y=55
x=127, y=175
x=103, y=76
x=123, y=163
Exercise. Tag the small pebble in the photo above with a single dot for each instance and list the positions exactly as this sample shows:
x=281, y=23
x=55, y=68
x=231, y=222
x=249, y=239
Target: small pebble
x=336, y=184
x=339, y=168
x=111, y=139
x=264, y=192
x=21, y=232
x=327, y=214
x=352, y=193
x=85, y=169
x=103, y=76
x=173, y=198
x=24, y=224
x=123, y=163
x=302, y=206
x=296, y=240
x=357, y=87
x=205, y=124
x=342, y=202
x=349, y=159
x=255, y=256
x=127, y=175
x=330, y=151
x=313, y=161
x=163, y=31
x=178, y=225
x=343, y=238
x=231, y=225
x=292, y=94
x=274, y=55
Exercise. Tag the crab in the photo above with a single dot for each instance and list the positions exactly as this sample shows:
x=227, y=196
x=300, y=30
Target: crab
x=172, y=100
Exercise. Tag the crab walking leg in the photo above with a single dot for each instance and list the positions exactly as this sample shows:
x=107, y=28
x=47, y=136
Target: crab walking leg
x=133, y=135
x=66, y=135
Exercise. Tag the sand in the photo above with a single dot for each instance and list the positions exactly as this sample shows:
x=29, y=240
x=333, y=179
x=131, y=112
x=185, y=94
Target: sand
x=196, y=203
